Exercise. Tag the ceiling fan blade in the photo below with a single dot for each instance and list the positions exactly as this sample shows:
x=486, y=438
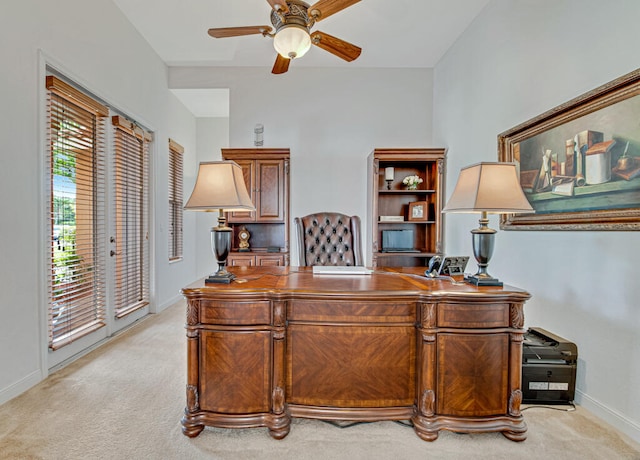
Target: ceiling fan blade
x=279, y=5
x=281, y=65
x=224, y=32
x=325, y=8
x=340, y=48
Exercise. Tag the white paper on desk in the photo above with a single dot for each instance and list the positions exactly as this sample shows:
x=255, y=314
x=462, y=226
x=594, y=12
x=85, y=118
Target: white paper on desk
x=341, y=270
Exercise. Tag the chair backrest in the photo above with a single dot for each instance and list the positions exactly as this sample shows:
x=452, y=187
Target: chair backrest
x=328, y=238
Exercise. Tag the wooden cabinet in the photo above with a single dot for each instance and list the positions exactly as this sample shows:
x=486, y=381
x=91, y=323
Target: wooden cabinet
x=266, y=175
x=230, y=351
x=266, y=181
x=231, y=387
x=243, y=259
x=474, y=382
x=394, y=345
x=397, y=213
x=476, y=339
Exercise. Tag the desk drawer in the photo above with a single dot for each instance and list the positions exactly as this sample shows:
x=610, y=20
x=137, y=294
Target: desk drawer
x=235, y=313
x=473, y=316
x=335, y=311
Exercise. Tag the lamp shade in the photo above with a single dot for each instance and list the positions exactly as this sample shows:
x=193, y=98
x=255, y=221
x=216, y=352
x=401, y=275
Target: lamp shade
x=292, y=41
x=219, y=185
x=488, y=187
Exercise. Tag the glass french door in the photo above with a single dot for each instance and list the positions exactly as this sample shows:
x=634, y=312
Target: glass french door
x=97, y=220
x=130, y=224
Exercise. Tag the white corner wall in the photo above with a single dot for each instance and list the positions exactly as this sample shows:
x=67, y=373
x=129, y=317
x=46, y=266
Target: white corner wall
x=95, y=45
x=518, y=59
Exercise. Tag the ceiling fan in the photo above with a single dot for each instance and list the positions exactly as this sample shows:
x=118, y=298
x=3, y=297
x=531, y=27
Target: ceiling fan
x=292, y=21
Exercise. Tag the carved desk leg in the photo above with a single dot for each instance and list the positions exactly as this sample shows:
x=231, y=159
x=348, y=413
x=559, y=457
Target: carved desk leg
x=280, y=422
x=424, y=417
x=519, y=429
x=190, y=427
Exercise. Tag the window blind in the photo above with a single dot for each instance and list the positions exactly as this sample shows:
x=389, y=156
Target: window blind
x=175, y=200
x=131, y=214
x=75, y=206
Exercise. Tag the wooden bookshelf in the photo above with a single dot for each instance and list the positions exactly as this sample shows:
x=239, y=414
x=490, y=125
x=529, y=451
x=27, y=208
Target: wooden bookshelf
x=388, y=205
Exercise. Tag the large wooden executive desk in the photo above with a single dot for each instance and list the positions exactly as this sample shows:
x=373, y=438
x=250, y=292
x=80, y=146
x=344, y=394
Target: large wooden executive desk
x=281, y=342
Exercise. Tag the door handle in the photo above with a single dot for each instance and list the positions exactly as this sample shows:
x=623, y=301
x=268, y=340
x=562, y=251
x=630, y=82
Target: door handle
x=113, y=252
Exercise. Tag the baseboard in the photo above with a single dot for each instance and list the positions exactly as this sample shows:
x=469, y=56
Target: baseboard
x=170, y=302
x=629, y=427
x=20, y=386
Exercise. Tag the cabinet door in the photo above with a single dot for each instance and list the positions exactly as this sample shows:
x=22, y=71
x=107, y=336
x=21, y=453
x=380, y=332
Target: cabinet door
x=472, y=374
x=249, y=173
x=270, y=190
x=235, y=371
x=241, y=260
x=269, y=260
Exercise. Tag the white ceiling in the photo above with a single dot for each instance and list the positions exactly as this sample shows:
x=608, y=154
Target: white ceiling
x=391, y=33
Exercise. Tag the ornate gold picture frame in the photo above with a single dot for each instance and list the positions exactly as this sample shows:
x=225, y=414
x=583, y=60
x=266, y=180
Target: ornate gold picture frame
x=579, y=163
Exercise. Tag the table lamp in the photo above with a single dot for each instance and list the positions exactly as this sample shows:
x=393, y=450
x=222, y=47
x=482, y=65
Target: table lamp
x=220, y=186
x=487, y=188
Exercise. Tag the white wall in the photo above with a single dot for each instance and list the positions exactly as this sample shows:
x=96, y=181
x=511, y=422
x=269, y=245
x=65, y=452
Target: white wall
x=330, y=119
x=94, y=44
x=517, y=60
x=213, y=135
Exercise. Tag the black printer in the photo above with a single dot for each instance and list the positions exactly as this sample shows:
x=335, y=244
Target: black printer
x=548, y=368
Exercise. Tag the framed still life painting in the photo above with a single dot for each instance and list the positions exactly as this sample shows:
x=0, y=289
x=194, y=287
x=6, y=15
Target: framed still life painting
x=579, y=163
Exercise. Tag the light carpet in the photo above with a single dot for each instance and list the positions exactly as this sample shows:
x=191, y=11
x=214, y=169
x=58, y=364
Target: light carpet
x=125, y=399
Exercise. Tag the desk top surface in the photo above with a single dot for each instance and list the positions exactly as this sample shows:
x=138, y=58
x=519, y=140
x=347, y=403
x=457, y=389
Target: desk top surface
x=385, y=281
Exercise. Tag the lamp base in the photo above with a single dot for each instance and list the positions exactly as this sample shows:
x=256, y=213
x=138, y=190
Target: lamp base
x=482, y=280
x=483, y=240
x=221, y=245
x=224, y=278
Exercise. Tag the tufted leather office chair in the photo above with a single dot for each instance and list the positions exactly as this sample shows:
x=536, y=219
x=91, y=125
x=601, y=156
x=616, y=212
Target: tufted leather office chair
x=328, y=238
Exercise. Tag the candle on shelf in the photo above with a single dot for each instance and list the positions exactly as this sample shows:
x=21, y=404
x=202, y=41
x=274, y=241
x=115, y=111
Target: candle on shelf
x=388, y=176
x=388, y=173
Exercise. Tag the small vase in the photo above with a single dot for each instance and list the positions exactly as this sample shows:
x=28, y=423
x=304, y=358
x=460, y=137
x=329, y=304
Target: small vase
x=412, y=187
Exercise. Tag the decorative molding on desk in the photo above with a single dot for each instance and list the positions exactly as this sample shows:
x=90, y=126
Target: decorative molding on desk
x=193, y=404
x=192, y=312
x=427, y=403
x=515, y=399
x=517, y=315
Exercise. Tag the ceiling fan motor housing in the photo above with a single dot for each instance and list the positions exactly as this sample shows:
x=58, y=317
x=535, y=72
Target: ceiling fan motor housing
x=297, y=15
x=292, y=37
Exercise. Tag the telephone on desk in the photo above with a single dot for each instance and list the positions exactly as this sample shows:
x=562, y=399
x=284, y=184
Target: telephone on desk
x=447, y=267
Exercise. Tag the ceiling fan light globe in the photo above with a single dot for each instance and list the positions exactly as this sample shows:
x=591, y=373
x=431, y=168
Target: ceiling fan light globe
x=292, y=41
